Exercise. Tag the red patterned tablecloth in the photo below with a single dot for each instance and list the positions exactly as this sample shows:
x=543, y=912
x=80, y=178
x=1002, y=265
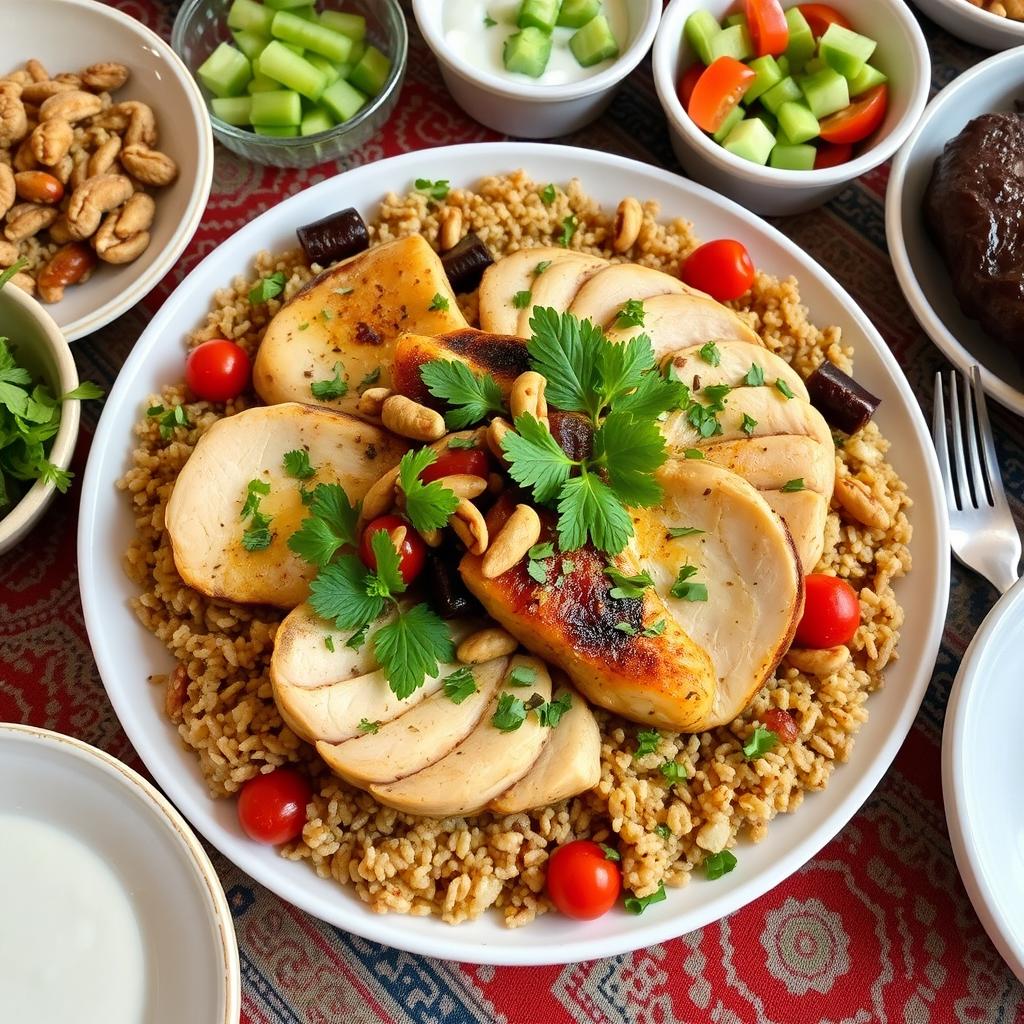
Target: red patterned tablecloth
x=877, y=928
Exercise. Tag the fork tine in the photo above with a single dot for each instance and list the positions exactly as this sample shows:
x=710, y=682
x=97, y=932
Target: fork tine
x=988, y=444
x=956, y=422
x=941, y=444
x=977, y=471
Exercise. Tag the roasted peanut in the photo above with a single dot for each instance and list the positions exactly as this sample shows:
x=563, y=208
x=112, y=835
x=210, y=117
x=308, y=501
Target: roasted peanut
x=469, y=527
x=103, y=158
x=464, y=485
x=410, y=419
x=495, y=432
x=451, y=228
x=38, y=187
x=8, y=189
x=8, y=254
x=528, y=396
x=856, y=498
x=371, y=401
x=150, y=166
x=51, y=141
x=71, y=106
x=92, y=199
x=68, y=265
x=629, y=218
x=40, y=92
x=107, y=76
x=28, y=219
x=36, y=71
x=112, y=249
x=13, y=119
x=486, y=645
x=432, y=538
x=380, y=498
x=520, y=532
x=818, y=662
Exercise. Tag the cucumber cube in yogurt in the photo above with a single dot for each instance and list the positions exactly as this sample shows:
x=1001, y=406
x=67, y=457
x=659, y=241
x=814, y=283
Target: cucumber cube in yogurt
x=751, y=140
x=226, y=72
x=845, y=51
x=594, y=42
x=576, y=13
x=700, y=31
x=826, y=92
x=528, y=52
x=540, y=14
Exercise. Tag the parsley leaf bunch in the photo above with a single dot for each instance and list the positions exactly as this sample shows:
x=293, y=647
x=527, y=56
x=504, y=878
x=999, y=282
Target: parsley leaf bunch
x=471, y=398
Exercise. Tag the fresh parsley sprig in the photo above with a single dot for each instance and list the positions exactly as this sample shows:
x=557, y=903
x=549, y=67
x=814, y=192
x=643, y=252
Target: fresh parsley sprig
x=427, y=506
x=470, y=397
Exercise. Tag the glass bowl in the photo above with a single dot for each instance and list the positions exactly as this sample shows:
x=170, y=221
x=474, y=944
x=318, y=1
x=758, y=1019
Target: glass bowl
x=201, y=25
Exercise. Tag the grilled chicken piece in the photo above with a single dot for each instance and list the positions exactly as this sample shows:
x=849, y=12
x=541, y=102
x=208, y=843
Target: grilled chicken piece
x=603, y=296
x=204, y=515
x=349, y=317
x=805, y=514
x=735, y=360
x=556, y=286
x=485, y=764
x=770, y=460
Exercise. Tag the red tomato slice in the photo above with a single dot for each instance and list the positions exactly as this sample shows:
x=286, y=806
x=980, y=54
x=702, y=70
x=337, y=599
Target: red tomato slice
x=718, y=90
x=768, y=29
x=859, y=119
x=832, y=155
x=688, y=81
x=820, y=16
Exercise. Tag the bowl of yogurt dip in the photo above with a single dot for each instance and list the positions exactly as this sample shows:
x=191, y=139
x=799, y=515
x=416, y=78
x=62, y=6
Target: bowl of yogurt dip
x=109, y=901
x=502, y=71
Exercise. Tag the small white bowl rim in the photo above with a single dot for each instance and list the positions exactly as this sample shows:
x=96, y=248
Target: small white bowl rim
x=666, y=41
x=999, y=389
x=153, y=798
x=967, y=10
x=525, y=92
x=148, y=280
x=35, y=500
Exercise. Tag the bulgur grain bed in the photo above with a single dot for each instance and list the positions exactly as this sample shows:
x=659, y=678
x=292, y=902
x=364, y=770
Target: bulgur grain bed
x=456, y=868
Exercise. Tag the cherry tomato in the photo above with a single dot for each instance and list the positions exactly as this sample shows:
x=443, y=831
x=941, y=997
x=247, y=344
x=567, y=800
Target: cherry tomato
x=217, y=370
x=272, y=808
x=832, y=155
x=412, y=552
x=687, y=82
x=768, y=28
x=722, y=268
x=582, y=882
x=859, y=119
x=820, y=16
x=469, y=461
x=720, y=87
x=831, y=612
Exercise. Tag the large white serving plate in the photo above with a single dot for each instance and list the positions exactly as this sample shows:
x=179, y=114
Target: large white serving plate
x=127, y=654
x=981, y=776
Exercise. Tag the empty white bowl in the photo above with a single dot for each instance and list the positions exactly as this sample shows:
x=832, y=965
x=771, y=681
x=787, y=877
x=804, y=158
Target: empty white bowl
x=974, y=25
x=527, y=109
x=902, y=54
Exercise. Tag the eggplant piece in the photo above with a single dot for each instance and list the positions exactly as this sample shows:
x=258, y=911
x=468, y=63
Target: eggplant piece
x=335, y=237
x=466, y=262
x=840, y=399
x=445, y=589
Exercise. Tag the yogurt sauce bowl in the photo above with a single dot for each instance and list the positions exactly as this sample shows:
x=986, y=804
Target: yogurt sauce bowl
x=565, y=97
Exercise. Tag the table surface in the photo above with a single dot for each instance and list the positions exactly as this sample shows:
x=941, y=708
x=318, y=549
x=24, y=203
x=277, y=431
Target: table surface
x=877, y=927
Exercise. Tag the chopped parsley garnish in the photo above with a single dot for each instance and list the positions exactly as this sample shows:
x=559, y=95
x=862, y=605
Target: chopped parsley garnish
x=548, y=194
x=719, y=864
x=460, y=685
x=684, y=589
x=683, y=531
x=569, y=226
x=522, y=675
x=522, y=299
x=329, y=643
x=761, y=741
x=358, y=638
x=674, y=772
x=489, y=22
x=347, y=290
x=543, y=550
x=710, y=354
x=367, y=726
x=455, y=443
x=331, y=388
x=655, y=629
x=627, y=586
x=304, y=326
x=647, y=741
x=625, y=627
x=638, y=904
x=550, y=714
x=754, y=377
x=631, y=314
x=438, y=302
x=369, y=380
x=796, y=484
x=541, y=267
x=784, y=388
x=748, y=424
x=428, y=506
x=537, y=565
x=326, y=314
x=704, y=418
x=470, y=397
x=693, y=453
x=169, y=419
x=510, y=713
x=297, y=464
x=256, y=536
x=267, y=288
x=610, y=853
x=664, y=831
x=436, y=190
x=254, y=490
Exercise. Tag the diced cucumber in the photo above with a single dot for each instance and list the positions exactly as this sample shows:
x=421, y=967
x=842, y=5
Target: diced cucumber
x=783, y=62
x=286, y=5
x=814, y=65
x=226, y=71
x=785, y=92
x=371, y=72
x=316, y=121
x=867, y=78
x=343, y=100
x=358, y=49
x=277, y=131
x=527, y=51
x=251, y=44
x=845, y=51
x=825, y=91
x=735, y=19
x=249, y=16
x=234, y=110
x=793, y=157
x=306, y=13
x=311, y=36
x=332, y=72
x=770, y=120
x=733, y=42
x=279, y=63
x=732, y=119
x=798, y=123
x=576, y=13
x=751, y=140
x=801, y=45
x=276, y=109
x=295, y=48
x=768, y=74
x=700, y=31
x=594, y=42
x=540, y=14
x=351, y=25
x=260, y=83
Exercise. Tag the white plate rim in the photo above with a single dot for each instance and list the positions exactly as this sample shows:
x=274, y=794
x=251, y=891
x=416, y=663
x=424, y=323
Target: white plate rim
x=925, y=315
x=955, y=764
x=440, y=945
x=178, y=828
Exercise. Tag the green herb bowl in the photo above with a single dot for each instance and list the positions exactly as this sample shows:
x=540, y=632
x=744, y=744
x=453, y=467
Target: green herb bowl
x=39, y=346
x=201, y=25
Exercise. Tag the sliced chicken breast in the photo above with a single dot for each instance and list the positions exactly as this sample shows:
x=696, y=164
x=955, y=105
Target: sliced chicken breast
x=204, y=515
x=556, y=286
x=804, y=513
x=769, y=461
x=735, y=361
x=346, y=320
x=512, y=274
x=604, y=294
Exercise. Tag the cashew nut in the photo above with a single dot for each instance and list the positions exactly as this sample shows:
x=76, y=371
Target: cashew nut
x=71, y=106
x=486, y=645
x=103, y=159
x=40, y=92
x=629, y=218
x=855, y=497
x=380, y=498
x=111, y=249
x=150, y=166
x=26, y=282
x=51, y=141
x=80, y=171
x=107, y=76
x=469, y=527
x=68, y=265
x=24, y=159
x=528, y=396
x=8, y=254
x=451, y=228
x=27, y=219
x=141, y=126
x=520, y=532
x=821, y=663
x=371, y=401
x=13, y=119
x=8, y=189
x=36, y=70
x=407, y=418
x=92, y=199
x=60, y=232
x=63, y=168
x=464, y=485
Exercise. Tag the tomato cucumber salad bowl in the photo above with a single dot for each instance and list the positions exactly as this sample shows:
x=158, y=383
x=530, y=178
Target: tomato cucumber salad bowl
x=778, y=105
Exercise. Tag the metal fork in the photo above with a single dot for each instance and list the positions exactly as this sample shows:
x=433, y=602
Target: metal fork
x=982, y=531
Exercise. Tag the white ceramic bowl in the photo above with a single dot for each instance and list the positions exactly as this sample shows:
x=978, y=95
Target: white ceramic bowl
x=973, y=24
x=992, y=85
x=67, y=35
x=38, y=345
x=188, y=940
x=530, y=110
x=902, y=54
x=126, y=652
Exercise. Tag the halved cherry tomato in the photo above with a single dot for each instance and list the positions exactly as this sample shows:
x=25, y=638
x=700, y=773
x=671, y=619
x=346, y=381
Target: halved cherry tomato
x=412, y=552
x=768, y=28
x=455, y=462
x=717, y=91
x=582, y=882
x=687, y=82
x=820, y=16
x=830, y=155
x=722, y=268
x=217, y=370
x=272, y=807
x=831, y=612
x=859, y=119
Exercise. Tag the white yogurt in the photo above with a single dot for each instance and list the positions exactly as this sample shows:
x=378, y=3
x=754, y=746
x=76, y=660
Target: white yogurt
x=468, y=37
x=70, y=945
